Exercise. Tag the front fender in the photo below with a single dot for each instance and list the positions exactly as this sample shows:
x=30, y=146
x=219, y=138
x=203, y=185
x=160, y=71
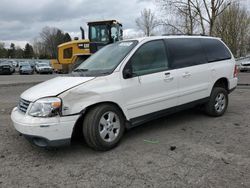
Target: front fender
x=91, y=93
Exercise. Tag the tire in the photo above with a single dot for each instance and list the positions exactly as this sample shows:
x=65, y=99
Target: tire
x=112, y=130
x=218, y=102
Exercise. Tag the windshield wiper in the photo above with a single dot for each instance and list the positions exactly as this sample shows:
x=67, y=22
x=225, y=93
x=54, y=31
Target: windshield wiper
x=80, y=70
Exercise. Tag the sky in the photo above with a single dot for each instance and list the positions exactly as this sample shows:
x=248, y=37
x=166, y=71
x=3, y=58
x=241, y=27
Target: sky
x=22, y=20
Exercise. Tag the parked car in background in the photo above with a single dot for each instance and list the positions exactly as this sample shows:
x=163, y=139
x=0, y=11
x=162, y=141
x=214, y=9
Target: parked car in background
x=245, y=66
x=43, y=68
x=26, y=69
x=21, y=63
x=13, y=68
x=6, y=68
x=32, y=64
x=14, y=63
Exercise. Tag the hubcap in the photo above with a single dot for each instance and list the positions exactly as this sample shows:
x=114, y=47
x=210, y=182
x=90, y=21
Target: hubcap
x=109, y=126
x=220, y=102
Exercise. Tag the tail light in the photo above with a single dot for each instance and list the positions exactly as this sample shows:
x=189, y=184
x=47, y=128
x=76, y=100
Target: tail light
x=236, y=71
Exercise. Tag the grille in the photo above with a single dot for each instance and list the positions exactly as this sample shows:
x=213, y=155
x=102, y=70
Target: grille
x=23, y=105
x=246, y=64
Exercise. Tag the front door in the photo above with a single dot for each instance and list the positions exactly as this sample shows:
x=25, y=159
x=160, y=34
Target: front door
x=153, y=86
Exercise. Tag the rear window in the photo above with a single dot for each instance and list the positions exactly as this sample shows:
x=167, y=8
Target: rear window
x=185, y=52
x=215, y=50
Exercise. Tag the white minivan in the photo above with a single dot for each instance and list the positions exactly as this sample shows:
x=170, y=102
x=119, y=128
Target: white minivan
x=126, y=84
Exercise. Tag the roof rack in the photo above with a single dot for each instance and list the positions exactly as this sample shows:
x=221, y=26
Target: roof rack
x=179, y=34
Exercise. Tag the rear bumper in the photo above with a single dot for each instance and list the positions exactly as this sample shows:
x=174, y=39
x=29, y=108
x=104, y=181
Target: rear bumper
x=44, y=132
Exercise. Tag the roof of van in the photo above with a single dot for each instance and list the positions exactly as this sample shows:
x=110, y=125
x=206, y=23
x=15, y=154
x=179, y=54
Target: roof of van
x=171, y=36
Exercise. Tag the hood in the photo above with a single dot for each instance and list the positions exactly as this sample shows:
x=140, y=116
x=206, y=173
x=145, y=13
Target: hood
x=53, y=87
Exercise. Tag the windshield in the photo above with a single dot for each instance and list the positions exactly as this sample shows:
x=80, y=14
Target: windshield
x=99, y=33
x=43, y=65
x=105, y=60
x=26, y=66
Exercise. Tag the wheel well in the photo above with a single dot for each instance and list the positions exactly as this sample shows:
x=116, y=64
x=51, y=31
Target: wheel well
x=222, y=82
x=77, y=130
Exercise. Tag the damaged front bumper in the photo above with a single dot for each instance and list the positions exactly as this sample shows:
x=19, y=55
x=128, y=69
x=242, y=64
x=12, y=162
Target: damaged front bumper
x=44, y=132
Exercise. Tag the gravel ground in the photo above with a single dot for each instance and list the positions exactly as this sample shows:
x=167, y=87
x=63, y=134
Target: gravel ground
x=210, y=152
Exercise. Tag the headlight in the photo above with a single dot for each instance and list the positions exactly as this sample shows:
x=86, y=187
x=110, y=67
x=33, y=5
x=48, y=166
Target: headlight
x=46, y=107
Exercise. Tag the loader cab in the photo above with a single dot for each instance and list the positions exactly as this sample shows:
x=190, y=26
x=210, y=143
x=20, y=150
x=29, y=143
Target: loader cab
x=102, y=33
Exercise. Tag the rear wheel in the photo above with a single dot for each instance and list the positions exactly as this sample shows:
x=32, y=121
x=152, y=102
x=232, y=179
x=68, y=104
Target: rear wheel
x=218, y=102
x=103, y=127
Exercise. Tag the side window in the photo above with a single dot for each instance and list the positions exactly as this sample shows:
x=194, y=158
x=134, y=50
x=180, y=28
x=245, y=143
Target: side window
x=185, y=52
x=215, y=50
x=67, y=53
x=114, y=33
x=149, y=58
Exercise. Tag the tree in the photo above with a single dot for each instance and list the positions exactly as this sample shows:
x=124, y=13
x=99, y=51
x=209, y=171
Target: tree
x=147, y=22
x=12, y=51
x=40, y=50
x=19, y=52
x=67, y=37
x=28, y=51
x=3, y=51
x=233, y=26
x=196, y=12
x=52, y=37
x=179, y=16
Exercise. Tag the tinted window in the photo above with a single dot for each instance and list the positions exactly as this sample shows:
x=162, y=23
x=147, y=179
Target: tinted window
x=149, y=58
x=185, y=52
x=67, y=53
x=215, y=50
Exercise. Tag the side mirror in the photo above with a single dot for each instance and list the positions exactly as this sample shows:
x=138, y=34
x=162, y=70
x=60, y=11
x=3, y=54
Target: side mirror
x=127, y=73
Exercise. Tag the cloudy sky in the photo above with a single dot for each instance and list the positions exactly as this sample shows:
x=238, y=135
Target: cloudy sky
x=22, y=20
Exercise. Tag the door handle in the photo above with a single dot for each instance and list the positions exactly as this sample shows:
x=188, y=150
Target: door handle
x=186, y=75
x=168, y=78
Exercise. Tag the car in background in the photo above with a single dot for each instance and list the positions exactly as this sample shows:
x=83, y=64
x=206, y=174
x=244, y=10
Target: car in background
x=14, y=63
x=43, y=68
x=21, y=63
x=26, y=69
x=245, y=66
x=6, y=68
x=32, y=64
x=13, y=68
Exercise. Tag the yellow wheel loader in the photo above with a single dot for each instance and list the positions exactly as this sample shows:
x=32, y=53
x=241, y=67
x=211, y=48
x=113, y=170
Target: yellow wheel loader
x=71, y=54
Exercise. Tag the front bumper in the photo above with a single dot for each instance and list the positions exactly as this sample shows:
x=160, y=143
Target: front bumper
x=245, y=68
x=26, y=72
x=44, y=132
x=45, y=71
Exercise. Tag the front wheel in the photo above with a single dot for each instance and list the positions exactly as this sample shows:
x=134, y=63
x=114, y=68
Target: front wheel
x=218, y=102
x=103, y=127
